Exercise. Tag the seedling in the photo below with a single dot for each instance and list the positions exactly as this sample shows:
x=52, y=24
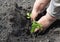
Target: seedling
x=28, y=15
x=34, y=24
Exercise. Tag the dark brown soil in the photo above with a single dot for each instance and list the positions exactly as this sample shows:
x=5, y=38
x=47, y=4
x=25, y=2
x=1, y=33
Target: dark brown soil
x=15, y=27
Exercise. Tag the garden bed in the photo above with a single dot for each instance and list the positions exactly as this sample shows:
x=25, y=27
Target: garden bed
x=15, y=27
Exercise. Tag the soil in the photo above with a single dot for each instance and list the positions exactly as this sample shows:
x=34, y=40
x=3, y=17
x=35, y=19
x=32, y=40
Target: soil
x=15, y=27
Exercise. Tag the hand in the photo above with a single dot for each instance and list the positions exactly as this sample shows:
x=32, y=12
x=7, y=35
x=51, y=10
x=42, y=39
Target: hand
x=39, y=5
x=34, y=15
x=46, y=22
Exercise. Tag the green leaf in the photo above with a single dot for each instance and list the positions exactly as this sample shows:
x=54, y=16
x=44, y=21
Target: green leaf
x=35, y=25
x=28, y=15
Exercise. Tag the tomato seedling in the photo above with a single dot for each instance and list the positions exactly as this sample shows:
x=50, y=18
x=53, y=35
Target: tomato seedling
x=28, y=15
x=34, y=24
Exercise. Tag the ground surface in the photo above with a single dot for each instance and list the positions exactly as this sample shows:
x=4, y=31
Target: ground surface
x=14, y=27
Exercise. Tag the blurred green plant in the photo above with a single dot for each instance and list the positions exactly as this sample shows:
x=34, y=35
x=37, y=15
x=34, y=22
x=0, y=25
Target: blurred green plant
x=34, y=24
x=28, y=15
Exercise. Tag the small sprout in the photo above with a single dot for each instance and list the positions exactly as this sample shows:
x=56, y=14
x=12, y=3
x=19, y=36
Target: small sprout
x=28, y=15
x=34, y=24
